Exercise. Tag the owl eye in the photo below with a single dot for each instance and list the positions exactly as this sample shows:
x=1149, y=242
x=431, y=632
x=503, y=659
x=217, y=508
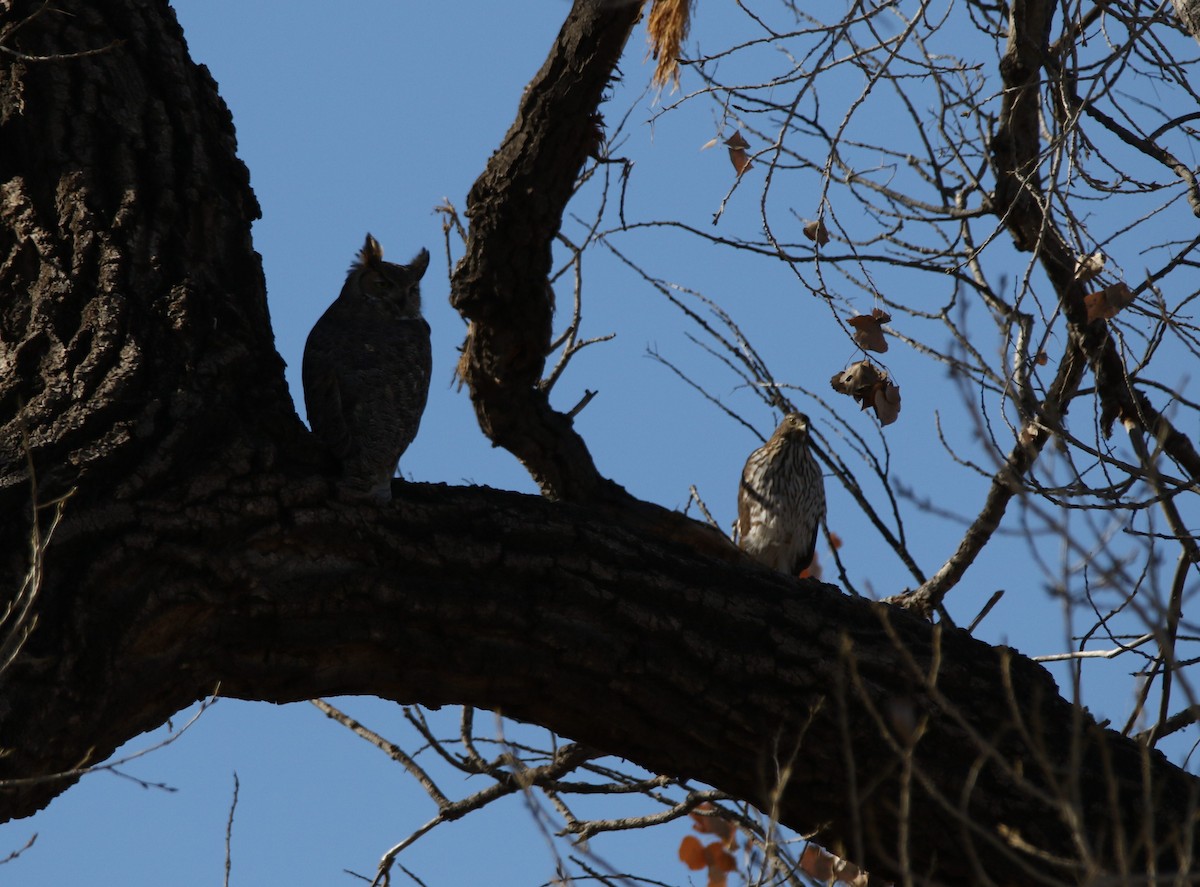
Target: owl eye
x=376, y=283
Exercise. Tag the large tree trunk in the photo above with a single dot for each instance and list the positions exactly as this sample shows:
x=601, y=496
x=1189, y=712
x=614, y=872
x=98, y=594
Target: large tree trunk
x=201, y=548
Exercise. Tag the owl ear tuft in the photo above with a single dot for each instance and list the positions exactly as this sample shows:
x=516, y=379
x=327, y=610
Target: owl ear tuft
x=419, y=263
x=371, y=254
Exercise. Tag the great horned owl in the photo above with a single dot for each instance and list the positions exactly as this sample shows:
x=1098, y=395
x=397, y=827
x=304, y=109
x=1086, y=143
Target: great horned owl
x=366, y=370
x=781, y=499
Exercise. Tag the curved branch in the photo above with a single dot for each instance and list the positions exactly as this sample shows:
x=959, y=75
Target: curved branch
x=515, y=209
x=621, y=635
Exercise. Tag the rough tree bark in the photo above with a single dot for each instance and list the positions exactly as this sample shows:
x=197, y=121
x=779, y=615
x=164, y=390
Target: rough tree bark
x=501, y=286
x=201, y=545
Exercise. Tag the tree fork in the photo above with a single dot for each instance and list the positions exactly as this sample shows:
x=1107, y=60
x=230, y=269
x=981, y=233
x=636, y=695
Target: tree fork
x=501, y=284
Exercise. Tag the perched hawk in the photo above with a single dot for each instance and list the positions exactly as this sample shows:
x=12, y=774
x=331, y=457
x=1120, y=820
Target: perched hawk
x=781, y=499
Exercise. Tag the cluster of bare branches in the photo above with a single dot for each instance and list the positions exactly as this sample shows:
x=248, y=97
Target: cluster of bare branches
x=1016, y=187
x=550, y=779
x=735, y=842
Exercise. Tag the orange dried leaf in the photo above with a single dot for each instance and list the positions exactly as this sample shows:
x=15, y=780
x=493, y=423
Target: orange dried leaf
x=718, y=859
x=848, y=873
x=737, y=152
x=868, y=330
x=713, y=825
x=700, y=822
x=1041, y=359
x=816, y=863
x=886, y=401
x=1105, y=304
x=817, y=232
x=740, y=160
x=835, y=541
x=691, y=852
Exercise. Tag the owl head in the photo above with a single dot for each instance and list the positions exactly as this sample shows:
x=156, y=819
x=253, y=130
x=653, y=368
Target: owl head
x=394, y=288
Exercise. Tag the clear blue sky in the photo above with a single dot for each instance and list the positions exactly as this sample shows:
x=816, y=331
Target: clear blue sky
x=365, y=119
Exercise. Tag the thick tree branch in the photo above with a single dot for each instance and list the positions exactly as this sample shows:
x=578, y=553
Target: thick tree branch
x=610, y=633
x=501, y=285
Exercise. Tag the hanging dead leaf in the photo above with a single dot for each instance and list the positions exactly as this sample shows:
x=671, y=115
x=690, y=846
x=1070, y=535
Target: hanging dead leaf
x=868, y=330
x=817, y=864
x=886, y=401
x=848, y=873
x=871, y=387
x=711, y=143
x=713, y=825
x=737, y=152
x=718, y=859
x=817, y=232
x=1089, y=267
x=859, y=377
x=1041, y=359
x=691, y=852
x=1106, y=303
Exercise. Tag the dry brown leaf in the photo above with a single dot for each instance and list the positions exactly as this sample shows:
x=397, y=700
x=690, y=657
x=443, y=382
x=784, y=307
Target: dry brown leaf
x=871, y=387
x=1089, y=267
x=717, y=877
x=886, y=401
x=718, y=859
x=821, y=865
x=817, y=232
x=848, y=873
x=1104, y=304
x=666, y=30
x=868, y=330
x=817, y=864
x=1041, y=358
x=737, y=152
x=714, y=825
x=691, y=852
x=859, y=376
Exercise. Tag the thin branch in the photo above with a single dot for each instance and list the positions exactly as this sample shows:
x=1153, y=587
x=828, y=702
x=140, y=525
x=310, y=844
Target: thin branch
x=229, y=830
